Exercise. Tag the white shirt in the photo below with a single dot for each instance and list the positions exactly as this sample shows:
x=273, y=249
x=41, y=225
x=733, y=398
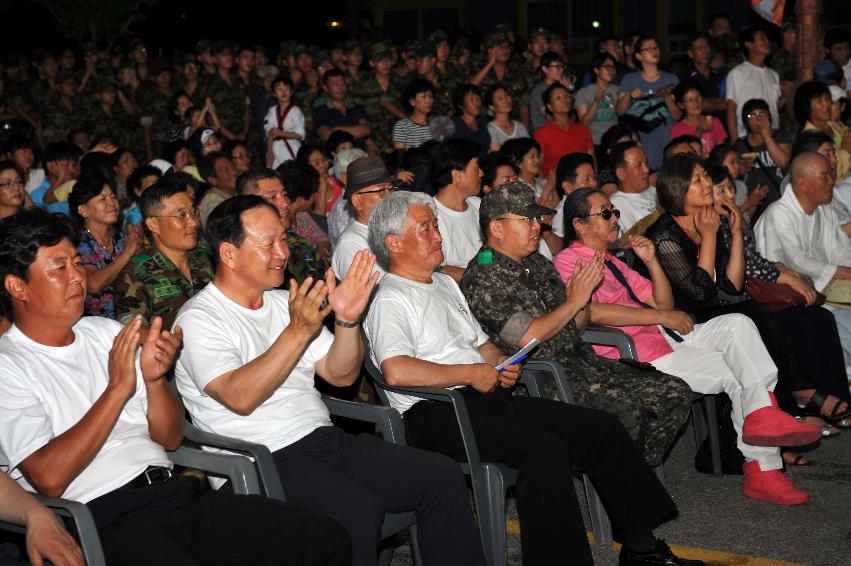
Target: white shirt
x=294, y=122
x=634, y=206
x=219, y=336
x=746, y=81
x=46, y=390
x=35, y=180
x=812, y=244
x=342, y=214
x=427, y=321
x=462, y=236
x=558, y=218
x=352, y=240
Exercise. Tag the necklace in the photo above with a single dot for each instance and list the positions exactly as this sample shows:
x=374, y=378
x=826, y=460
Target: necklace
x=105, y=249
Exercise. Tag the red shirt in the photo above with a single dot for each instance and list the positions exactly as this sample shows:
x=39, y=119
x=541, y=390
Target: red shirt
x=557, y=142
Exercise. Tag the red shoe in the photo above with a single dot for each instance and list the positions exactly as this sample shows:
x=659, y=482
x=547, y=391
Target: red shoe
x=769, y=426
x=773, y=486
x=773, y=399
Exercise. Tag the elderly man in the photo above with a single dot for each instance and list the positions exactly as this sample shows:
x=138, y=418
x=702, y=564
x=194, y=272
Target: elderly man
x=247, y=371
x=723, y=354
x=368, y=183
x=802, y=231
x=422, y=333
x=635, y=198
x=84, y=415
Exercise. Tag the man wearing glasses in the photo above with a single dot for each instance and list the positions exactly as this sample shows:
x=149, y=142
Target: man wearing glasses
x=369, y=184
x=172, y=267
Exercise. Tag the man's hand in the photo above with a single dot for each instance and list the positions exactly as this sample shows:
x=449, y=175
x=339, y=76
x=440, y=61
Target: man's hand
x=509, y=376
x=122, y=359
x=158, y=350
x=643, y=248
x=680, y=321
x=584, y=280
x=349, y=299
x=46, y=538
x=484, y=377
x=306, y=312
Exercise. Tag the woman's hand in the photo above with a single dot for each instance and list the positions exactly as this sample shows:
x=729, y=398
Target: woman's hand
x=706, y=222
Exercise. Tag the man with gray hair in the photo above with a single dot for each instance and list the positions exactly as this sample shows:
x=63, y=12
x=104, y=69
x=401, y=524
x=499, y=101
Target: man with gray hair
x=422, y=333
x=342, y=214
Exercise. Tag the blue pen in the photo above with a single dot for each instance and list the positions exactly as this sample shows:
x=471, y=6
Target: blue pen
x=517, y=361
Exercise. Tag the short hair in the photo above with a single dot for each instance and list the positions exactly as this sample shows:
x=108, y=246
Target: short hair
x=692, y=38
x=548, y=93
x=305, y=151
x=23, y=234
x=491, y=163
x=604, y=40
x=517, y=148
x=808, y=140
x=170, y=150
x=388, y=218
x=719, y=16
x=282, y=79
x=336, y=138
x=98, y=164
x=225, y=222
x=19, y=141
x=134, y=181
x=246, y=183
x=747, y=35
x=549, y=58
x=344, y=158
x=835, y=36
x=85, y=189
x=461, y=92
x=184, y=179
x=718, y=173
x=567, y=166
x=299, y=180
x=7, y=165
x=672, y=182
x=720, y=152
x=489, y=93
x=207, y=167
x=152, y=199
x=415, y=87
x=611, y=136
x=804, y=95
x=61, y=151
x=618, y=156
x=452, y=155
x=576, y=206
x=684, y=87
x=679, y=140
x=750, y=106
x=641, y=39
x=232, y=145
x=600, y=59
x=331, y=73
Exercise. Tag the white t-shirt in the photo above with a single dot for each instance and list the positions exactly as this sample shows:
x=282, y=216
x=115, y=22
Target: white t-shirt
x=35, y=180
x=745, y=82
x=294, y=122
x=219, y=336
x=634, y=206
x=558, y=218
x=352, y=240
x=499, y=136
x=427, y=321
x=462, y=236
x=46, y=390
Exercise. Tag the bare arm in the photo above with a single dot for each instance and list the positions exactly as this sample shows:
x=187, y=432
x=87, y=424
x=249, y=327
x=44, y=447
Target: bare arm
x=732, y=121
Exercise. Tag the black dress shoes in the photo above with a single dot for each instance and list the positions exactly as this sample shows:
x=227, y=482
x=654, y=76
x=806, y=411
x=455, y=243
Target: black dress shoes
x=659, y=555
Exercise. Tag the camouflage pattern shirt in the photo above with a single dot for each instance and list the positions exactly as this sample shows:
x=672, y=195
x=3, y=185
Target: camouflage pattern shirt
x=58, y=120
x=369, y=94
x=230, y=100
x=303, y=262
x=151, y=285
x=506, y=296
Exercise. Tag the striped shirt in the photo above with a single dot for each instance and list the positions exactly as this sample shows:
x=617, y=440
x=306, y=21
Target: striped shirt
x=410, y=133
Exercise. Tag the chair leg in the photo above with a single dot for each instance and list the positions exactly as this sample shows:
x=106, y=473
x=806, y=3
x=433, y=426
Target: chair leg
x=698, y=419
x=385, y=557
x=714, y=441
x=496, y=546
x=413, y=537
x=660, y=473
x=600, y=523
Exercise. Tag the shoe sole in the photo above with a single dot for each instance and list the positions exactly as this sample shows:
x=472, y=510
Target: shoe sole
x=801, y=438
x=763, y=497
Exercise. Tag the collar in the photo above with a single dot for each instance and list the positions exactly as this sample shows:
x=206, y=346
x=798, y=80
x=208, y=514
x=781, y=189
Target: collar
x=585, y=251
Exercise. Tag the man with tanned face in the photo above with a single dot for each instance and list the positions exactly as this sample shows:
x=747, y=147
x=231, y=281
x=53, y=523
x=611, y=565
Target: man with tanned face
x=635, y=198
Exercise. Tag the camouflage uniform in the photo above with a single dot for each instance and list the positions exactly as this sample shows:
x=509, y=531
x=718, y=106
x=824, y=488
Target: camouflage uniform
x=152, y=102
x=123, y=129
x=369, y=94
x=230, y=101
x=151, y=285
x=303, y=261
x=58, y=120
x=515, y=77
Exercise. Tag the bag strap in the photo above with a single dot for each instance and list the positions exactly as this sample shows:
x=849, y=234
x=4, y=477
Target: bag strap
x=281, y=120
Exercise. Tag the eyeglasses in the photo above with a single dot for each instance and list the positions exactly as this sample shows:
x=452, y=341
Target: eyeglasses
x=527, y=219
x=605, y=214
x=651, y=48
x=758, y=114
x=8, y=184
x=384, y=191
x=183, y=216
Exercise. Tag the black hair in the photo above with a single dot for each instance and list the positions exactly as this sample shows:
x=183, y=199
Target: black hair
x=453, y=155
x=173, y=117
x=152, y=199
x=611, y=136
x=233, y=144
x=415, y=87
x=718, y=173
x=61, y=151
x=699, y=35
x=184, y=179
x=134, y=181
x=750, y=106
x=641, y=39
x=85, y=189
x=331, y=73
x=808, y=140
x=75, y=132
x=719, y=16
x=225, y=222
x=747, y=35
x=548, y=93
x=98, y=164
x=23, y=234
x=720, y=152
x=489, y=94
x=605, y=39
x=300, y=179
x=683, y=87
x=679, y=140
x=600, y=59
x=804, y=95
x=491, y=163
x=576, y=206
x=567, y=166
x=282, y=79
x=461, y=92
x=246, y=183
x=517, y=148
x=19, y=141
x=549, y=58
x=336, y=138
x=305, y=151
x=170, y=150
x=207, y=167
x=116, y=155
x=6, y=164
x=673, y=181
x=836, y=36
x=617, y=158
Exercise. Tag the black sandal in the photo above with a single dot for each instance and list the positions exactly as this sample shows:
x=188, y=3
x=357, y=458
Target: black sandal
x=817, y=401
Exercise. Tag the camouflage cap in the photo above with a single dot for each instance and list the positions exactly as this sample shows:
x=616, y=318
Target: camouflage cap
x=268, y=71
x=202, y=46
x=258, y=48
x=103, y=84
x=301, y=49
x=379, y=51
x=219, y=47
x=88, y=48
x=424, y=49
x=286, y=48
x=495, y=38
x=66, y=75
x=351, y=45
x=160, y=66
x=437, y=36
x=539, y=31
x=184, y=59
x=515, y=197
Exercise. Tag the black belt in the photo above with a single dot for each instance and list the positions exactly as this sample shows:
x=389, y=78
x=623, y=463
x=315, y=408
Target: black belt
x=152, y=476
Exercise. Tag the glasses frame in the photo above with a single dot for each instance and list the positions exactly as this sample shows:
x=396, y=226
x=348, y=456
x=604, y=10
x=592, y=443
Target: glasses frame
x=605, y=214
x=194, y=213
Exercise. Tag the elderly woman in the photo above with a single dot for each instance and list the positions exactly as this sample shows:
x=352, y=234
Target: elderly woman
x=12, y=195
x=103, y=249
x=703, y=252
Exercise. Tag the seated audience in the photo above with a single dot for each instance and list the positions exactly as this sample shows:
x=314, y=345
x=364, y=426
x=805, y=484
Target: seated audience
x=341, y=213
x=813, y=105
x=468, y=122
x=218, y=171
x=561, y=134
x=12, y=194
x=502, y=127
x=635, y=197
x=414, y=130
x=137, y=183
x=688, y=95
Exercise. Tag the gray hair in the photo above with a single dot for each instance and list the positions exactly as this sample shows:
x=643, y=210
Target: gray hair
x=343, y=158
x=388, y=218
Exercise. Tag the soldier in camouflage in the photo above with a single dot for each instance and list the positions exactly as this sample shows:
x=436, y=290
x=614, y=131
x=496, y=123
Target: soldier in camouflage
x=353, y=56
x=500, y=69
x=444, y=86
x=378, y=95
x=511, y=289
x=230, y=100
x=154, y=100
x=172, y=267
x=306, y=82
x=112, y=117
x=67, y=113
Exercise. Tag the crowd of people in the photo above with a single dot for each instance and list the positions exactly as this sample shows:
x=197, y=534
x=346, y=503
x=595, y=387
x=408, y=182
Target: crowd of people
x=247, y=227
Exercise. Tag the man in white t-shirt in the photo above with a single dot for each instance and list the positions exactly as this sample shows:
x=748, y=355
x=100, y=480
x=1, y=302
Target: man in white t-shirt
x=247, y=371
x=752, y=79
x=635, y=198
x=83, y=416
x=422, y=333
x=574, y=171
x=369, y=183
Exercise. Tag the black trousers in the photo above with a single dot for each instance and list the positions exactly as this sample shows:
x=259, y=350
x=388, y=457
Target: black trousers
x=177, y=523
x=546, y=441
x=357, y=478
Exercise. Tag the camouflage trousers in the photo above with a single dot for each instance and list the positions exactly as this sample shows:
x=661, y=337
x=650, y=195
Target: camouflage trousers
x=651, y=405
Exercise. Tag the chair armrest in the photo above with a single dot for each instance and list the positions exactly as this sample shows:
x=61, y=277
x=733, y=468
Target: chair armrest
x=237, y=468
x=534, y=381
x=263, y=462
x=605, y=336
x=387, y=421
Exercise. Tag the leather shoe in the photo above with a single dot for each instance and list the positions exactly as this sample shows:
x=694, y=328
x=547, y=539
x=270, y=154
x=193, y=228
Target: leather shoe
x=659, y=555
x=769, y=426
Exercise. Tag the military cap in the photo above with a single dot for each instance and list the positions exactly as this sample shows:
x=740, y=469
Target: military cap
x=257, y=48
x=66, y=75
x=301, y=49
x=219, y=47
x=135, y=44
x=102, y=84
x=351, y=45
x=89, y=47
x=424, y=49
x=379, y=51
x=515, y=197
x=495, y=38
x=160, y=66
x=286, y=48
x=202, y=46
x=539, y=31
x=438, y=36
x=184, y=59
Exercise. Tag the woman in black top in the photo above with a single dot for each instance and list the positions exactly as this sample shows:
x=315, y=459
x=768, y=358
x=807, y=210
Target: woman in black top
x=703, y=252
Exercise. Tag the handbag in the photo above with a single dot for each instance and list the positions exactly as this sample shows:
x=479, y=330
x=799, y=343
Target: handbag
x=777, y=296
x=645, y=114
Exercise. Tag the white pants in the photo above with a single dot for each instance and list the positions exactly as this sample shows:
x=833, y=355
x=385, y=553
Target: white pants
x=727, y=354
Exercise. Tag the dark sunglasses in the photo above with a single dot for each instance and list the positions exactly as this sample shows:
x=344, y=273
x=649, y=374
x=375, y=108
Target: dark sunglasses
x=606, y=214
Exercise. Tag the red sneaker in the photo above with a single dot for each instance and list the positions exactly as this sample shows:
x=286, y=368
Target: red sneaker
x=773, y=486
x=769, y=426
